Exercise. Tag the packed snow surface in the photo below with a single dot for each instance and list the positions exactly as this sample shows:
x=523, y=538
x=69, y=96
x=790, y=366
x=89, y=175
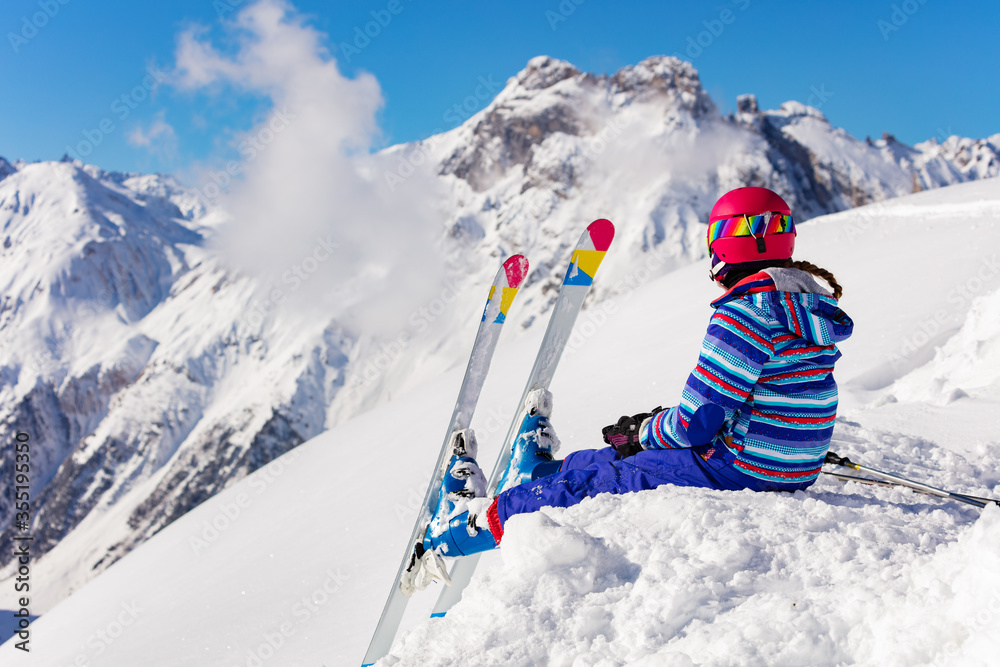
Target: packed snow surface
x=291, y=566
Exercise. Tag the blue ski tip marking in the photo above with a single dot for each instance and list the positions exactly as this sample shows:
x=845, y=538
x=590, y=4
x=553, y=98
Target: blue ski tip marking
x=574, y=276
x=439, y=614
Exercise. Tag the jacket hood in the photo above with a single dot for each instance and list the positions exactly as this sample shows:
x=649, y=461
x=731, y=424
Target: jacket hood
x=801, y=305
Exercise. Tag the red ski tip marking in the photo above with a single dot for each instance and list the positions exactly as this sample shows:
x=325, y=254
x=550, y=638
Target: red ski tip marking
x=602, y=233
x=516, y=268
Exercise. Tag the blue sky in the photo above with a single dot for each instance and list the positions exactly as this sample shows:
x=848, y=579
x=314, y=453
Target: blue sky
x=78, y=73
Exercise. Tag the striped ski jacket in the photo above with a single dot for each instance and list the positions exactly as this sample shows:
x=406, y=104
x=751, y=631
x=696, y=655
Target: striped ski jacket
x=763, y=387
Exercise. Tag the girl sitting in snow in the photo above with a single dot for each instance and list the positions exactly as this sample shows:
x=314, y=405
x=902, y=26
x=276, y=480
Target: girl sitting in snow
x=756, y=413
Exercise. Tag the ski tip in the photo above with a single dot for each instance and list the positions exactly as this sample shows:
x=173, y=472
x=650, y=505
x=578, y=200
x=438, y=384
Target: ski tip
x=602, y=233
x=589, y=254
x=516, y=268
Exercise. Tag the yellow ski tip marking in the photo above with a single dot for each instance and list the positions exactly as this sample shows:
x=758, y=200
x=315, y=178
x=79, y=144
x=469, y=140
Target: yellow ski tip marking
x=506, y=298
x=588, y=261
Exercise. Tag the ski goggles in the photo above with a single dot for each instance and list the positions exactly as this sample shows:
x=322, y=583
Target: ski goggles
x=749, y=225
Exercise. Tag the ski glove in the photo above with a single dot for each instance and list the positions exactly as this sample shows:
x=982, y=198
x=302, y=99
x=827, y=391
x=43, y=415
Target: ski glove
x=624, y=436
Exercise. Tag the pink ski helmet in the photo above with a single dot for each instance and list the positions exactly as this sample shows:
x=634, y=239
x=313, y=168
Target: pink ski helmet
x=749, y=225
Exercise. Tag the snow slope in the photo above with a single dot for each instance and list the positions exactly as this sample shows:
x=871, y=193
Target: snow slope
x=291, y=565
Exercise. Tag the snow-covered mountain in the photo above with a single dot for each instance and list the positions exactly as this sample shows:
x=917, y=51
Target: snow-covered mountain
x=149, y=377
x=127, y=359
x=290, y=566
x=648, y=147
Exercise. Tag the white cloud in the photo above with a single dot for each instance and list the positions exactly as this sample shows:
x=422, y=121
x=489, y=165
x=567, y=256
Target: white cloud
x=304, y=172
x=159, y=138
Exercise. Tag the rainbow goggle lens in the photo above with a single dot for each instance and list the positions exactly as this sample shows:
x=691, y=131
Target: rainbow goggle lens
x=750, y=225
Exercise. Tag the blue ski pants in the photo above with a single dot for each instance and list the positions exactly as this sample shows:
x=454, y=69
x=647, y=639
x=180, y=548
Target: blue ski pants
x=589, y=472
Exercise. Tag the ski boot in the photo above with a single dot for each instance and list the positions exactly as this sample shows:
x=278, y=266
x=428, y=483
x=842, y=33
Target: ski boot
x=462, y=482
x=535, y=443
x=449, y=532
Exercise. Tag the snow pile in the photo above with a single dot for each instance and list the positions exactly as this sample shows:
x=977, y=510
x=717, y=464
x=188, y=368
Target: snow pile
x=834, y=575
x=968, y=364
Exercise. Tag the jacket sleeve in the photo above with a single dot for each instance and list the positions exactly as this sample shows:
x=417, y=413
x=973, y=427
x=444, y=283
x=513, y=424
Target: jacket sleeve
x=736, y=347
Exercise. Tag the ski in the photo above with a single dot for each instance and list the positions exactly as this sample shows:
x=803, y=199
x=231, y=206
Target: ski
x=584, y=262
x=508, y=280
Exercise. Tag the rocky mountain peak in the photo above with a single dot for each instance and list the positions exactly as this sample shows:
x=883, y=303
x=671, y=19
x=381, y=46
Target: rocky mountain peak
x=747, y=104
x=793, y=109
x=551, y=97
x=6, y=169
x=665, y=77
x=544, y=72
x=662, y=73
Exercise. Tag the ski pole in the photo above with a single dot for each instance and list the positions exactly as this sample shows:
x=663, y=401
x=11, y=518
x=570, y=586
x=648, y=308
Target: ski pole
x=896, y=480
x=881, y=482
